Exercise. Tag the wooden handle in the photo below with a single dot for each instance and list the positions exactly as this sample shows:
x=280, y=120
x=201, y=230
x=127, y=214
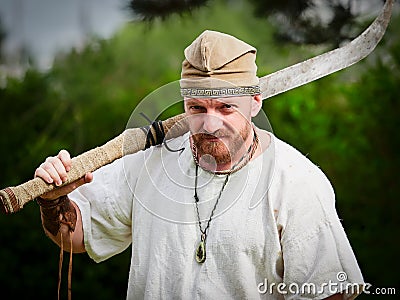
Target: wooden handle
x=130, y=141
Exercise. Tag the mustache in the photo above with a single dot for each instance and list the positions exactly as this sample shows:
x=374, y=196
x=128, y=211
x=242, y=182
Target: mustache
x=207, y=135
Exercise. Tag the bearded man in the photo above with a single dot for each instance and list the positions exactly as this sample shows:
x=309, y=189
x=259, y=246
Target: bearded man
x=236, y=214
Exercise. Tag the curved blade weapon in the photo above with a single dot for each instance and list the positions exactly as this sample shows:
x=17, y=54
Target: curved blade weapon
x=329, y=62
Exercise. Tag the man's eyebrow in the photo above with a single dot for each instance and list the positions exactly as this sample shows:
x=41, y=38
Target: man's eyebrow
x=192, y=101
x=217, y=101
x=228, y=102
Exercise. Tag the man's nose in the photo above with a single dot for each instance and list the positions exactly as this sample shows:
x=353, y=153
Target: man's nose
x=212, y=123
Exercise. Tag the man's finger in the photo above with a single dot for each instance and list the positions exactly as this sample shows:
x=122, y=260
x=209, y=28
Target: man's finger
x=74, y=185
x=50, y=166
x=40, y=172
x=56, y=170
x=65, y=158
x=85, y=179
x=60, y=169
x=65, y=190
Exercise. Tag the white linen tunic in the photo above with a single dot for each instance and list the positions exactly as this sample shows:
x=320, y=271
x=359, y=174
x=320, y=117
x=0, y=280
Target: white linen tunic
x=275, y=233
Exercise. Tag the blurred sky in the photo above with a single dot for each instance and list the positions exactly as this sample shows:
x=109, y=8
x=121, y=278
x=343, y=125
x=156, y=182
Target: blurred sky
x=47, y=26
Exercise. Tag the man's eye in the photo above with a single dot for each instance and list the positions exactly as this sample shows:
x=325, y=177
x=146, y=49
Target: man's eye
x=196, y=108
x=227, y=107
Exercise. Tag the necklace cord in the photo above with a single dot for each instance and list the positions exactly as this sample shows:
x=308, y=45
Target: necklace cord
x=201, y=249
x=204, y=231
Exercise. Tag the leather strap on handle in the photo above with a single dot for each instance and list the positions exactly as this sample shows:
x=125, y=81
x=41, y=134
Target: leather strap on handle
x=130, y=141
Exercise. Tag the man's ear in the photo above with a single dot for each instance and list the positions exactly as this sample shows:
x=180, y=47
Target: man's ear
x=256, y=105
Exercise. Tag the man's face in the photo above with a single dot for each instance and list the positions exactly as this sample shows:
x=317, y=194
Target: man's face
x=220, y=127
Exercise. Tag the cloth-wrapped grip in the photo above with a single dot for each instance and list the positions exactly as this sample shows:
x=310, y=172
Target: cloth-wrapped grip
x=130, y=141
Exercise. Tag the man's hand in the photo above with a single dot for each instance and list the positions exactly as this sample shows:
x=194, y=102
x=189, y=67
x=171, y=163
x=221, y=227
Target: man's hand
x=54, y=170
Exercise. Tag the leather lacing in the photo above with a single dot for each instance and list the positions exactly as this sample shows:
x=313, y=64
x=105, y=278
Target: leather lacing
x=60, y=263
x=54, y=213
x=155, y=134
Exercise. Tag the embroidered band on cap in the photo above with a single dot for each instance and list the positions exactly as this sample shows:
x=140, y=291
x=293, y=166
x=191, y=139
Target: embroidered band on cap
x=221, y=91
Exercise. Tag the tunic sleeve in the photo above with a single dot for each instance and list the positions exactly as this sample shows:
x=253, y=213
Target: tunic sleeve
x=318, y=258
x=106, y=207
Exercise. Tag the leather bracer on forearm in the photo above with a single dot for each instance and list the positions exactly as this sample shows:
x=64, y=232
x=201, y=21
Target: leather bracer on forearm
x=54, y=213
x=57, y=212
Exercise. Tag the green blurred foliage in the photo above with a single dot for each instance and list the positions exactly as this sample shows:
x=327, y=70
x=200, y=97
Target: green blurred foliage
x=345, y=123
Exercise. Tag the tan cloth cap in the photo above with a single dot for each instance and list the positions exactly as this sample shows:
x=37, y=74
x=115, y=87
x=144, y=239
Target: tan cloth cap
x=221, y=64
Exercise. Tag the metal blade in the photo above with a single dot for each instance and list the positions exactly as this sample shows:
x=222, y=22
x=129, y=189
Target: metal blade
x=330, y=62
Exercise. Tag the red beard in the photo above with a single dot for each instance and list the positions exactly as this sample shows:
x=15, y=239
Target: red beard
x=212, y=149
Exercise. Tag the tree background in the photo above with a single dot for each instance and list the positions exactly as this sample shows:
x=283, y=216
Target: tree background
x=345, y=123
